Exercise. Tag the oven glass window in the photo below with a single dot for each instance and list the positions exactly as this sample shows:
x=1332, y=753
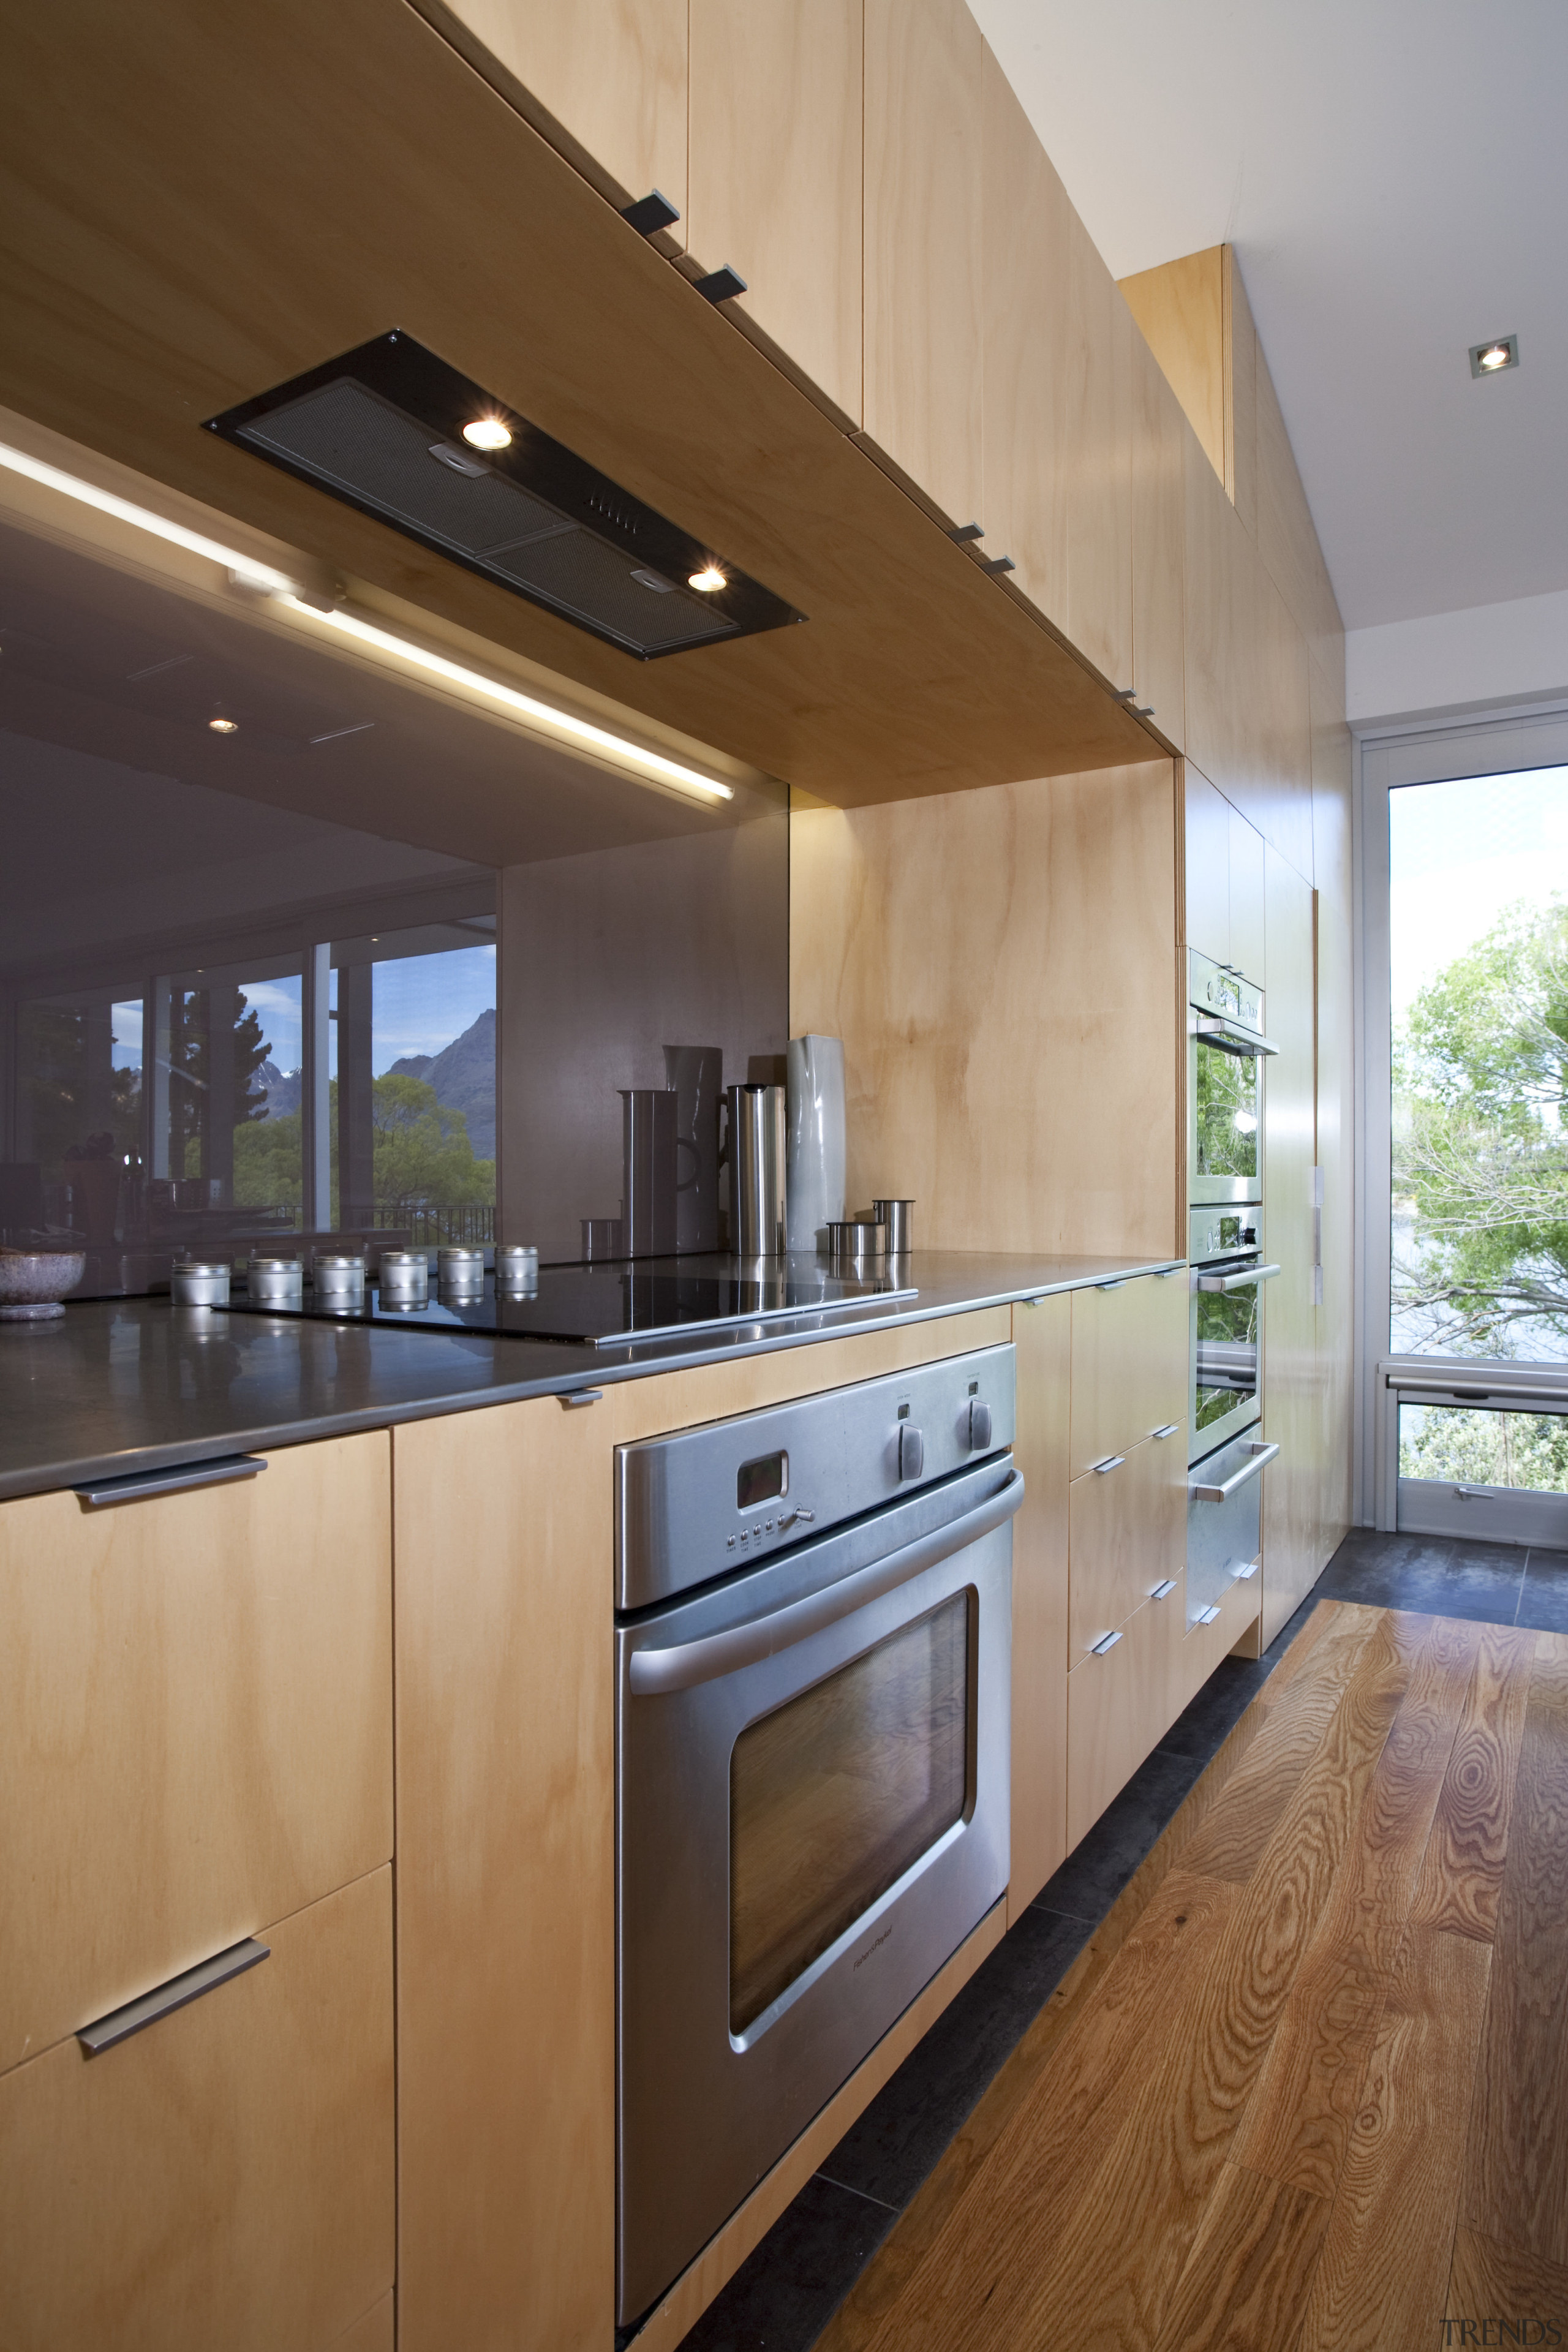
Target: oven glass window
x=1227, y=1352
x=1226, y=1112
x=837, y=1793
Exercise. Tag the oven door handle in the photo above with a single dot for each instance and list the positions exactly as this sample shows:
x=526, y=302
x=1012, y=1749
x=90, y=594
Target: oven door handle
x=652, y=1671
x=1261, y=1456
x=1224, y=1282
x=1232, y=1039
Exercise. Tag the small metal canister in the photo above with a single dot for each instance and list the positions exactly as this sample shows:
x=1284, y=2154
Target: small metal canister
x=276, y=1281
x=859, y=1245
x=404, y=1278
x=199, y=1282
x=461, y=1271
x=899, y=1216
x=338, y=1280
x=517, y=1270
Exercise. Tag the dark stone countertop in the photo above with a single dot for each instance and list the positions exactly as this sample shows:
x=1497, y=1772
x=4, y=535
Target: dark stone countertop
x=126, y=1384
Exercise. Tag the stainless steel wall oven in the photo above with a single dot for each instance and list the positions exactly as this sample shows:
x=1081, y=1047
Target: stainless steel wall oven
x=1227, y=1051
x=813, y=1640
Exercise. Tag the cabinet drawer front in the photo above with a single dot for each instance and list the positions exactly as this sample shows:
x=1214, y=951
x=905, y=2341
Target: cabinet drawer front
x=1126, y=1534
x=225, y=2178
x=1129, y=1364
x=195, y=1724
x=1119, y=1703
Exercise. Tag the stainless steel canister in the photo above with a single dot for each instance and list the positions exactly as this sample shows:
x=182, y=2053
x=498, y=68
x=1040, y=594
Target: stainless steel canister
x=199, y=1282
x=648, y=1164
x=517, y=1269
x=757, y=1148
x=338, y=1277
x=461, y=1270
x=859, y=1245
x=276, y=1281
x=899, y=1216
x=404, y=1278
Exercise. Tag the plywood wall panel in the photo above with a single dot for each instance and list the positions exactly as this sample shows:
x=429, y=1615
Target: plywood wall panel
x=1181, y=309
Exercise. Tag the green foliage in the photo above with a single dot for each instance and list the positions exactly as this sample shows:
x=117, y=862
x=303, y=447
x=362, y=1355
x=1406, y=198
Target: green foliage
x=1481, y=1151
x=1484, y=1449
x=422, y=1157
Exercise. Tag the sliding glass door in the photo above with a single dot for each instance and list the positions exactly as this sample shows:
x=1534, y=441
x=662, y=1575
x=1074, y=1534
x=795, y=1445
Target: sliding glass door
x=1467, y=1198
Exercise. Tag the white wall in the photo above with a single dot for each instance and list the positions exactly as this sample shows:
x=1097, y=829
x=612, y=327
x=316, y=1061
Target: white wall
x=1487, y=656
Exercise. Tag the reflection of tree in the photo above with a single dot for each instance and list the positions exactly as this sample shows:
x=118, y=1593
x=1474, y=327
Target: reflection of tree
x=192, y=1073
x=1485, y=1449
x=1481, y=1151
x=422, y=1157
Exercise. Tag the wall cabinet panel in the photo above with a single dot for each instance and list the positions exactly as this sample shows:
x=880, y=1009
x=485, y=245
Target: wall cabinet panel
x=775, y=171
x=1042, y=1335
x=1292, y=1374
x=1206, y=863
x=1097, y=457
x=924, y=256
x=1159, y=436
x=1247, y=852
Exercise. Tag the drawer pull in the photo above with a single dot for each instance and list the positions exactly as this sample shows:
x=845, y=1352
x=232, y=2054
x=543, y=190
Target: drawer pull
x=1206, y=1616
x=100, y=1492
x=1258, y=1457
x=1106, y=1641
x=1241, y=1574
x=1169, y=1429
x=1111, y=1462
x=1164, y=1591
x=581, y=1396
x=122, y=2023
x=1120, y=1284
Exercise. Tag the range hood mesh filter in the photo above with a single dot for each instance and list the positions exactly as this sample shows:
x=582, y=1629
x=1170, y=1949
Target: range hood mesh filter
x=534, y=519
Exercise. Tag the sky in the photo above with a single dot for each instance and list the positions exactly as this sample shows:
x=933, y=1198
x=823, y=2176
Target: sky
x=1461, y=851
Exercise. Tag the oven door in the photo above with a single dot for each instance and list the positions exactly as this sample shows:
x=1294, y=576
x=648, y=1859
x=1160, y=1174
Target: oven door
x=1225, y=1110
x=1226, y=1345
x=811, y=1815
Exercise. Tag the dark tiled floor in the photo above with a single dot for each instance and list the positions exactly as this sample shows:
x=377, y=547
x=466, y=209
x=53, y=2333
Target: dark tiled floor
x=782, y=2297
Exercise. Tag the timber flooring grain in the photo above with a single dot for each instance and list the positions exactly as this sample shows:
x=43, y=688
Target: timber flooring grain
x=1306, y=2087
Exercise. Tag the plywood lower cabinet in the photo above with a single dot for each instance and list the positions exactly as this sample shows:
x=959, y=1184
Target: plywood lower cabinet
x=225, y=2178
x=1120, y=1701
x=1127, y=1534
x=1042, y=1334
x=1129, y=1364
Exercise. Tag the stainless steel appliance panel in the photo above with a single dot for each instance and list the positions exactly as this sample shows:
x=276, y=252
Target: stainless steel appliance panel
x=711, y=2088
x=709, y=1500
x=1225, y=1493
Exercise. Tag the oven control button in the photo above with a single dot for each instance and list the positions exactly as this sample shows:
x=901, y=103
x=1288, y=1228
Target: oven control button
x=979, y=1425
x=912, y=1453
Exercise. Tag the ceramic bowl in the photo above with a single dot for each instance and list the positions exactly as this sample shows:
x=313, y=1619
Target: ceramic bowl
x=34, y=1282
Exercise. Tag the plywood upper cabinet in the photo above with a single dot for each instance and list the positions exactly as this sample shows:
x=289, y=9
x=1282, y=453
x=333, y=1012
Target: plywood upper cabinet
x=1206, y=863
x=606, y=80
x=1098, y=456
x=1159, y=433
x=1248, y=897
x=775, y=174
x=923, y=250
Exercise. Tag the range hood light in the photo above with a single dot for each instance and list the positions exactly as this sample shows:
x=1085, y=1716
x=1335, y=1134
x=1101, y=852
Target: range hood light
x=224, y=726
x=708, y=579
x=488, y=433
x=244, y=569
x=650, y=767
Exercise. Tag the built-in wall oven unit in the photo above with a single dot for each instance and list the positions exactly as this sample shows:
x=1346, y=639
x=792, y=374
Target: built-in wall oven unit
x=1227, y=1051
x=813, y=1635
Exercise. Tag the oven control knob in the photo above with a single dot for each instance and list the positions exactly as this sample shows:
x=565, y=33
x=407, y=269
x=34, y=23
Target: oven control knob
x=911, y=1452
x=979, y=1425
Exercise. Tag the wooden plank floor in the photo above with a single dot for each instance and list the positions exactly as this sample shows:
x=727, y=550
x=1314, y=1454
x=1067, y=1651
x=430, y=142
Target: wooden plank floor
x=1307, y=2087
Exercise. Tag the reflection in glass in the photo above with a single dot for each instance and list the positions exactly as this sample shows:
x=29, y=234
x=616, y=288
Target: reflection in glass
x=1226, y=1351
x=1477, y=1448
x=1228, y=1106
x=835, y=1795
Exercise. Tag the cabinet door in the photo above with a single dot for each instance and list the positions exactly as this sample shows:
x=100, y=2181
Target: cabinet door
x=1248, y=898
x=225, y=2178
x=1126, y=1536
x=1120, y=1703
x=923, y=265
x=1206, y=860
x=1129, y=1364
x=196, y=1722
x=1042, y=1335
x=506, y=1910
x=611, y=74
x=1292, y=1415
x=776, y=174
x=1097, y=457
x=1158, y=429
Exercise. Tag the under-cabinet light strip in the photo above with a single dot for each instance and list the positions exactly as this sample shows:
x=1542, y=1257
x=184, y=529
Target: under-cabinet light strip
x=618, y=748
x=244, y=567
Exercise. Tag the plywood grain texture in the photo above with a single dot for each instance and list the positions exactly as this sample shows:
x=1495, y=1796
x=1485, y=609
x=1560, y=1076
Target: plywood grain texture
x=377, y=2332
x=1042, y=1334
x=1490, y=2283
x=1159, y=433
x=777, y=108
x=1460, y=1884
x=1206, y=863
x=1128, y=1530
x=1128, y=1365
x=1331, y=821
x=150, y=277
x=195, y=1724
x=1120, y=1700
x=226, y=2177
x=1180, y=310
x=1242, y=365
x=994, y=962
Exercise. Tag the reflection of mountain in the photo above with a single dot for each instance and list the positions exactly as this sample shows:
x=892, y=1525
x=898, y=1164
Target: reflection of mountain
x=282, y=1088
x=463, y=1076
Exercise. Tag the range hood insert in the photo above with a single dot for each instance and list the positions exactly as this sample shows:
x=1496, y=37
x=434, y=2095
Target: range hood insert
x=382, y=429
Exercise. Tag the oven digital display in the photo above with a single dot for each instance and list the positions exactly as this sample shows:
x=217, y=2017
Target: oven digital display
x=761, y=1481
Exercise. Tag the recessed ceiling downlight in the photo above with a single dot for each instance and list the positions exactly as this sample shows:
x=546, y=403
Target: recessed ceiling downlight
x=1490, y=358
x=224, y=726
x=488, y=433
x=708, y=579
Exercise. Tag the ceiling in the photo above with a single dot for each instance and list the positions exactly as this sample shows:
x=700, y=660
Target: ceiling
x=1394, y=181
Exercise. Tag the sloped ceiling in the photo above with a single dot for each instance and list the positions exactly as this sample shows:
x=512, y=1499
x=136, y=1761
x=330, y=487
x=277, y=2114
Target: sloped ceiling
x=1393, y=176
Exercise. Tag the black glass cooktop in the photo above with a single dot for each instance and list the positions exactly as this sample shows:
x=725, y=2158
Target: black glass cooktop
x=602, y=1305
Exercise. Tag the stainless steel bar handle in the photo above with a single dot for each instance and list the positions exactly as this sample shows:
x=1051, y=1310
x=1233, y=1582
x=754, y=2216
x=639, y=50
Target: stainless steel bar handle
x=1232, y=1039
x=1221, y=1282
x=164, y=1998
x=1111, y=1462
x=1199, y=1492
x=1106, y=1641
x=683, y=1664
x=1168, y=1429
x=98, y=1493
